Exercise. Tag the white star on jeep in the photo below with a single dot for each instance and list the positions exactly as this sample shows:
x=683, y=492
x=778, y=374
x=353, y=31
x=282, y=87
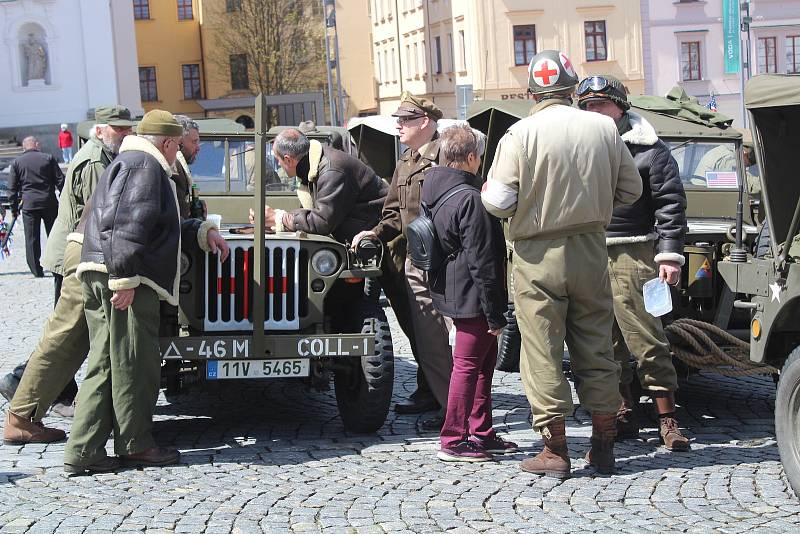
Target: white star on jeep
x=776, y=291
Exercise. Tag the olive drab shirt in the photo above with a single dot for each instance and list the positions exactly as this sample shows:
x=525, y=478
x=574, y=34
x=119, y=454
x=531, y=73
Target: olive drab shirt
x=402, y=203
x=82, y=176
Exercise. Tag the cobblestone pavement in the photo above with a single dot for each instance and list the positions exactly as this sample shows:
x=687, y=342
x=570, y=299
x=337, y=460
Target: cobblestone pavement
x=274, y=457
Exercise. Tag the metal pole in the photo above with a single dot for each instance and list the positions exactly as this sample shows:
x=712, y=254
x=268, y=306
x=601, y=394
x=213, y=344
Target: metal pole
x=259, y=256
x=340, y=111
x=331, y=102
x=746, y=69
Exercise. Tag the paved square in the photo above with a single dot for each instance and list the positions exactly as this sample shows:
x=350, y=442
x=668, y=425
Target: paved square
x=273, y=457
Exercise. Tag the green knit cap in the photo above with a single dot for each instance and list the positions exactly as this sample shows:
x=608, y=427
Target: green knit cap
x=159, y=122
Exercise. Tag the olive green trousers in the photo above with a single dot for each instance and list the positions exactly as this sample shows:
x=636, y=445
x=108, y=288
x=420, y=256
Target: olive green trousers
x=62, y=347
x=637, y=332
x=562, y=293
x=123, y=375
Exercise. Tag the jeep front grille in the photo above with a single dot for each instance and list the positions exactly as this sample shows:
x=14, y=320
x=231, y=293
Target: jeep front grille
x=230, y=285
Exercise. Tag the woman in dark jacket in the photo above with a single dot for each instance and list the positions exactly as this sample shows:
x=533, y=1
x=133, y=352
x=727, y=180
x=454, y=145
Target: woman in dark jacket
x=470, y=288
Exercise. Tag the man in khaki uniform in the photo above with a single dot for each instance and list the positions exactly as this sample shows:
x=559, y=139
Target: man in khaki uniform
x=416, y=124
x=645, y=241
x=65, y=340
x=558, y=173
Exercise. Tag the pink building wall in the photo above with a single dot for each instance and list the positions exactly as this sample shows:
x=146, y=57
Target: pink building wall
x=667, y=24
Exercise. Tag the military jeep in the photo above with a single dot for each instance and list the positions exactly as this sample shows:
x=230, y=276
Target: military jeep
x=769, y=288
x=302, y=306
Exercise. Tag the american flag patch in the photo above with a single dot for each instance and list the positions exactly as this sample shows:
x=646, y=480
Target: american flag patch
x=721, y=179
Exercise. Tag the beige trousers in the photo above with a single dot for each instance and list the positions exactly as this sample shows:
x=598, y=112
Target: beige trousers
x=563, y=293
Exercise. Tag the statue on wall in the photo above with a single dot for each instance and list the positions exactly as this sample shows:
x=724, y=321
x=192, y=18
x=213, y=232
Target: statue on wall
x=35, y=55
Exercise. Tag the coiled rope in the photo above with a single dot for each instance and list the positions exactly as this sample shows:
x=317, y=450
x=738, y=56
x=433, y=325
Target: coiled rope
x=709, y=348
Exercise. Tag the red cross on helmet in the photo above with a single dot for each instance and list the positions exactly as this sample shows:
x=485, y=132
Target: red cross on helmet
x=551, y=71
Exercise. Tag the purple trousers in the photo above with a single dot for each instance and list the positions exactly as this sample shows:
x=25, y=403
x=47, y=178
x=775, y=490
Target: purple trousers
x=469, y=401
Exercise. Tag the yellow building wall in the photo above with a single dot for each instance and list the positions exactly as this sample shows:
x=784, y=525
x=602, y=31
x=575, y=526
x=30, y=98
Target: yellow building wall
x=355, y=57
x=166, y=43
x=486, y=61
x=218, y=78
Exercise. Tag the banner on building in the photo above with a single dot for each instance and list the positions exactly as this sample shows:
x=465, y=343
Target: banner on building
x=730, y=29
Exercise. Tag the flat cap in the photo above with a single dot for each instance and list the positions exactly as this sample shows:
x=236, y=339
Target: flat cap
x=113, y=116
x=412, y=106
x=159, y=122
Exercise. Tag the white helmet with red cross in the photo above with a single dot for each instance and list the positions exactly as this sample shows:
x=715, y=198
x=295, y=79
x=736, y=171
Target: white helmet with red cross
x=551, y=71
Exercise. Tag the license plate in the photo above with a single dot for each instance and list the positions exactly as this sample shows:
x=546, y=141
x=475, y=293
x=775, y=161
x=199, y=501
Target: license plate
x=221, y=369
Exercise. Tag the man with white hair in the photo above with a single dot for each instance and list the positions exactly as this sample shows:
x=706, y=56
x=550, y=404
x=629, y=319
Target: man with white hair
x=190, y=147
x=64, y=342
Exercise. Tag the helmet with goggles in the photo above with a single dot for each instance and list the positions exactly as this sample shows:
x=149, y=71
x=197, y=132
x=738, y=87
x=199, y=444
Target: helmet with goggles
x=551, y=71
x=602, y=87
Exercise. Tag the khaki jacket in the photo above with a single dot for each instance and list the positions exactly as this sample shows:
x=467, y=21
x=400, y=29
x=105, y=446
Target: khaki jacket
x=402, y=203
x=560, y=172
x=83, y=174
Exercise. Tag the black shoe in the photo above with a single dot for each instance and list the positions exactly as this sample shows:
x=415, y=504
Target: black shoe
x=433, y=424
x=412, y=406
x=8, y=386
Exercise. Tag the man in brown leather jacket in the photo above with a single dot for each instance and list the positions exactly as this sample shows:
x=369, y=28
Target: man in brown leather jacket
x=416, y=124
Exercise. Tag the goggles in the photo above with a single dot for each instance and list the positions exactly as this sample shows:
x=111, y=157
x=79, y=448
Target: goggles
x=593, y=84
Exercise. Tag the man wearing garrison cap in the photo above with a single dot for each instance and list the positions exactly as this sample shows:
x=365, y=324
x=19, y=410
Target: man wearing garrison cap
x=129, y=262
x=416, y=126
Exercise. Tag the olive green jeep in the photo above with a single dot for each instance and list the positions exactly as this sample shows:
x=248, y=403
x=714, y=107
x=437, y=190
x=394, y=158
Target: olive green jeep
x=302, y=306
x=768, y=288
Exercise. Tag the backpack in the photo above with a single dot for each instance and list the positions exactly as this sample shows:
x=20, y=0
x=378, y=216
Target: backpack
x=424, y=248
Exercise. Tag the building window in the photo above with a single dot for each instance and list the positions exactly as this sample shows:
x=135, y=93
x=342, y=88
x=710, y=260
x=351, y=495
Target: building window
x=185, y=10
x=524, y=44
x=409, y=74
x=767, y=55
x=416, y=60
x=141, y=9
x=594, y=32
x=451, y=53
x=462, y=41
x=793, y=54
x=147, y=84
x=394, y=67
x=690, y=61
x=437, y=42
x=191, y=81
x=239, y=77
x=422, y=60
x=386, y=66
x=233, y=5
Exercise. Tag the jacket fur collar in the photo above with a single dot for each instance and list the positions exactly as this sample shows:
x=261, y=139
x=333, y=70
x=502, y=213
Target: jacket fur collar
x=641, y=132
x=314, y=159
x=140, y=144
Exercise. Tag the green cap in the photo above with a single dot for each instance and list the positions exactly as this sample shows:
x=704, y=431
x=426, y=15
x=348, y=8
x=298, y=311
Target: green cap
x=113, y=116
x=159, y=122
x=413, y=106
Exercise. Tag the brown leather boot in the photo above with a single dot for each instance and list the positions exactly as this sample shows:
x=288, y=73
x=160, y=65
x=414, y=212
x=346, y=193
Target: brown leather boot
x=601, y=455
x=553, y=461
x=627, y=420
x=668, y=429
x=20, y=431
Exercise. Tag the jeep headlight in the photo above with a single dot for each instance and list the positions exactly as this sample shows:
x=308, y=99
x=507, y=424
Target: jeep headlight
x=325, y=262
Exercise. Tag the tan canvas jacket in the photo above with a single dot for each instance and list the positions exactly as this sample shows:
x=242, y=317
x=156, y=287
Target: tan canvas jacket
x=560, y=172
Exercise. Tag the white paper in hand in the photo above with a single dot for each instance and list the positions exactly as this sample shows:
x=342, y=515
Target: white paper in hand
x=657, y=298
